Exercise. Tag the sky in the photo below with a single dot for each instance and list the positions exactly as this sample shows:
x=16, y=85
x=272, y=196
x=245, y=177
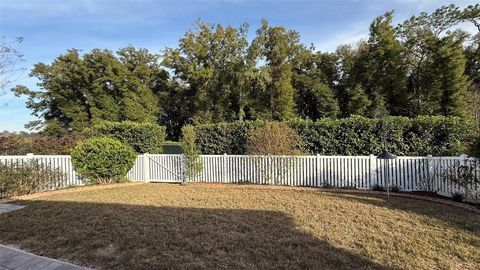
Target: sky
x=51, y=27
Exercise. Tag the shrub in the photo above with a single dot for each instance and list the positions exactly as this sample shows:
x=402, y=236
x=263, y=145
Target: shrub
x=464, y=175
x=193, y=163
x=142, y=137
x=24, y=178
x=425, y=135
x=395, y=188
x=274, y=138
x=103, y=159
x=378, y=187
x=13, y=144
x=458, y=196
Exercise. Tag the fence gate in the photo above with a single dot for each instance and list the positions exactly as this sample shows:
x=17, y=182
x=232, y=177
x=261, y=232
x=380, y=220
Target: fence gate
x=157, y=168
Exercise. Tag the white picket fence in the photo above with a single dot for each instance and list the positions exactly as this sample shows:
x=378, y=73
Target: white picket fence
x=362, y=172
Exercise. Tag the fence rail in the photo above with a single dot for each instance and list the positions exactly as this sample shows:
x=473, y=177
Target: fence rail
x=362, y=172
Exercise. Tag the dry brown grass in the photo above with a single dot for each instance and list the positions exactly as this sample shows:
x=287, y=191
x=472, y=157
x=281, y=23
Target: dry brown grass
x=158, y=226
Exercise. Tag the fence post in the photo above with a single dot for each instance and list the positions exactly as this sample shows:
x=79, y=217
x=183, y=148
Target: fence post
x=224, y=168
x=430, y=172
x=317, y=170
x=183, y=171
x=372, y=172
x=146, y=167
x=30, y=156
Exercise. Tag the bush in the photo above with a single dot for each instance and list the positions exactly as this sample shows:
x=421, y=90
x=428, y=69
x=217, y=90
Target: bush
x=395, y=188
x=464, y=175
x=103, y=159
x=378, y=187
x=425, y=135
x=24, y=178
x=193, y=163
x=142, y=137
x=274, y=138
x=458, y=196
x=13, y=144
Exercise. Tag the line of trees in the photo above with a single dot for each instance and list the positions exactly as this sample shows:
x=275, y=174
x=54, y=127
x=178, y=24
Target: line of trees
x=423, y=66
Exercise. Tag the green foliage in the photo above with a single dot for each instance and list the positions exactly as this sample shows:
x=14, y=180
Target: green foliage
x=378, y=187
x=224, y=138
x=172, y=148
x=435, y=135
x=395, y=188
x=103, y=159
x=18, y=179
x=81, y=90
x=277, y=46
x=142, y=137
x=193, y=163
x=421, y=67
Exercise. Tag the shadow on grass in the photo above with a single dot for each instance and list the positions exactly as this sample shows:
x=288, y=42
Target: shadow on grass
x=453, y=216
x=118, y=236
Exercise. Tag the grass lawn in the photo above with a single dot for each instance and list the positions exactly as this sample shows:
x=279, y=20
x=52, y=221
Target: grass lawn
x=157, y=226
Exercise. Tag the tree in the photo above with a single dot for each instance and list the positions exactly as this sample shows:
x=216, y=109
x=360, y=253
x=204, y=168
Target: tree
x=9, y=60
x=210, y=62
x=351, y=94
x=276, y=46
x=78, y=91
x=472, y=70
x=385, y=74
x=358, y=103
x=313, y=86
x=435, y=80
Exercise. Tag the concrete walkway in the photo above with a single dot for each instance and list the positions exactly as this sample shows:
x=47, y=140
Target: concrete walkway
x=11, y=258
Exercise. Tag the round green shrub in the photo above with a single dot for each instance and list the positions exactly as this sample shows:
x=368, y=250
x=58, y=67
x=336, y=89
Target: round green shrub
x=103, y=159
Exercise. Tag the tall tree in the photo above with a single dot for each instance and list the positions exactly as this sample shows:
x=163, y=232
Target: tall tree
x=385, y=74
x=78, y=91
x=313, y=79
x=208, y=61
x=349, y=90
x=276, y=47
x=435, y=80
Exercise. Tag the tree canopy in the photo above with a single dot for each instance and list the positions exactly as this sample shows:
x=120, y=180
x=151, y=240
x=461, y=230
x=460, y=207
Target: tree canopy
x=423, y=66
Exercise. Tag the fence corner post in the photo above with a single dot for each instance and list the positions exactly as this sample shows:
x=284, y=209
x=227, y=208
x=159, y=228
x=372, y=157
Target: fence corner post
x=30, y=155
x=372, y=175
x=146, y=167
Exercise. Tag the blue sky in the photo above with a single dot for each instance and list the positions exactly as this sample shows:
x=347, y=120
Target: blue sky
x=51, y=27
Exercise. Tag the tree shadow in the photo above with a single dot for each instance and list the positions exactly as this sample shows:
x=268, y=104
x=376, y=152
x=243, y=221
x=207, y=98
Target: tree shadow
x=453, y=216
x=120, y=236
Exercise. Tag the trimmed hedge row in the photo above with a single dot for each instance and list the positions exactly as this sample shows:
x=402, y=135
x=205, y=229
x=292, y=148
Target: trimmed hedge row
x=434, y=135
x=14, y=144
x=142, y=137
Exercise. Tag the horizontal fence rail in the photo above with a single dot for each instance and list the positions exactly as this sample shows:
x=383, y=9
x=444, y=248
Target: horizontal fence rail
x=362, y=172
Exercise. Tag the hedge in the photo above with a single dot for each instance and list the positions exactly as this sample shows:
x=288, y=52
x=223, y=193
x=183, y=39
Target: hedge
x=425, y=135
x=15, y=144
x=142, y=137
